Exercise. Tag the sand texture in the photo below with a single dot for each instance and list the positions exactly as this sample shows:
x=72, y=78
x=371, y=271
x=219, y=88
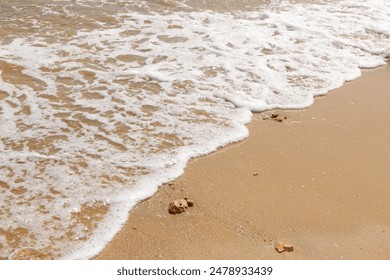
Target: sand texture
x=316, y=179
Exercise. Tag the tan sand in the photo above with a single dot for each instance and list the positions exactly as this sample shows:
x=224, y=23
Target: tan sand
x=319, y=180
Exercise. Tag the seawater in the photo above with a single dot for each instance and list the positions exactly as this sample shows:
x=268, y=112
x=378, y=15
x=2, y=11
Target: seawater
x=101, y=102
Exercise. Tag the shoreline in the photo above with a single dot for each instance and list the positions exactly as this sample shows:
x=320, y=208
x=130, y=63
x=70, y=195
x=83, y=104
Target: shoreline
x=317, y=180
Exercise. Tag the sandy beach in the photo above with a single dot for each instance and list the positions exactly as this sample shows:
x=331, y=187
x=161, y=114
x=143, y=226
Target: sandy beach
x=318, y=180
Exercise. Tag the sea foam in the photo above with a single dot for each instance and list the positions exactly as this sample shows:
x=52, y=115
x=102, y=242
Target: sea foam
x=94, y=117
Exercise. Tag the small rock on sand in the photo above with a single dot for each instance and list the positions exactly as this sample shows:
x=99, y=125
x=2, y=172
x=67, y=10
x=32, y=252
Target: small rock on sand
x=288, y=247
x=278, y=118
x=281, y=247
x=190, y=202
x=178, y=206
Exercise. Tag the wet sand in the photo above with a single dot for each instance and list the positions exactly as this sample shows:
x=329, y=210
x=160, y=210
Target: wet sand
x=319, y=180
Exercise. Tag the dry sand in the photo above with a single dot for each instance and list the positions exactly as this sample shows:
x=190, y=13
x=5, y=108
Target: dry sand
x=319, y=180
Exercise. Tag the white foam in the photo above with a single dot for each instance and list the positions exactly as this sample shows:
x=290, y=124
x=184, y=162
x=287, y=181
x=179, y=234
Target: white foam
x=157, y=96
x=11, y=155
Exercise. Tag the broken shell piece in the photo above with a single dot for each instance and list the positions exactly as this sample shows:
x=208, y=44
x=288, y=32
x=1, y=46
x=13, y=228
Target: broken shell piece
x=281, y=247
x=178, y=206
x=28, y=254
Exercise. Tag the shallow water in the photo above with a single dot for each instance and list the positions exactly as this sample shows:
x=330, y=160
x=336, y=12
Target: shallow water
x=103, y=101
